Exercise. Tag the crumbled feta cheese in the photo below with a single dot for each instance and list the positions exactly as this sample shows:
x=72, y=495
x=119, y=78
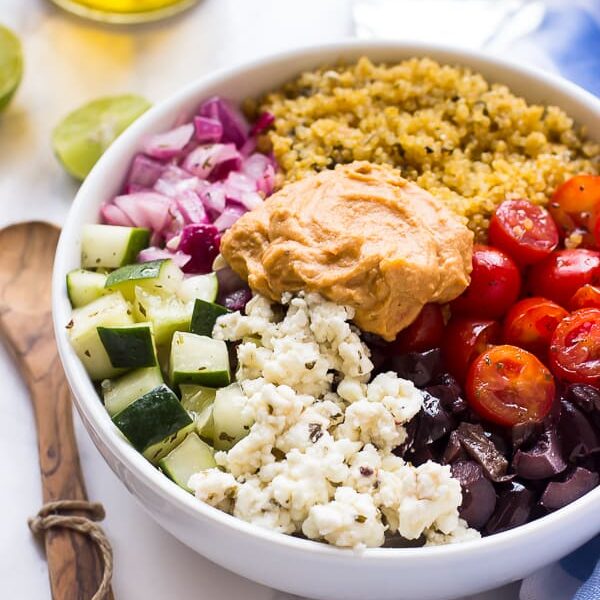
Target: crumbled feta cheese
x=462, y=533
x=318, y=459
x=214, y=487
x=350, y=520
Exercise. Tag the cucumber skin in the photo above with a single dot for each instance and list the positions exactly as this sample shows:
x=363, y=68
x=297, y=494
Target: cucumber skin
x=116, y=403
x=134, y=272
x=152, y=418
x=214, y=379
x=79, y=297
x=204, y=317
x=128, y=347
x=156, y=276
x=140, y=239
x=197, y=372
x=202, y=462
x=111, y=310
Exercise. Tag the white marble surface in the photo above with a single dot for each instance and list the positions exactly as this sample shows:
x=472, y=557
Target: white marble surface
x=69, y=61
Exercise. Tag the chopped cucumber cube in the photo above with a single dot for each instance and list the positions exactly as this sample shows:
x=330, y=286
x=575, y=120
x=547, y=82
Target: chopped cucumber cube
x=196, y=397
x=198, y=359
x=129, y=347
x=154, y=276
x=204, y=287
x=230, y=424
x=120, y=393
x=167, y=313
x=204, y=422
x=204, y=316
x=155, y=423
x=85, y=286
x=108, y=311
x=191, y=456
x=198, y=400
x=111, y=246
x=187, y=390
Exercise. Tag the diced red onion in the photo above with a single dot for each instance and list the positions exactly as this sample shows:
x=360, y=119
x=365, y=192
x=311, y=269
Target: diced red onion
x=260, y=168
x=205, y=158
x=174, y=181
x=248, y=148
x=214, y=198
x=179, y=183
x=169, y=144
x=201, y=242
x=229, y=216
x=145, y=209
x=223, y=169
x=134, y=188
x=191, y=208
x=154, y=253
x=235, y=126
x=143, y=173
x=251, y=200
x=237, y=183
x=264, y=121
x=208, y=129
x=113, y=215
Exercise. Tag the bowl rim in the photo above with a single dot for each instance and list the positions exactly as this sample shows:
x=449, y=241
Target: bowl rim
x=97, y=419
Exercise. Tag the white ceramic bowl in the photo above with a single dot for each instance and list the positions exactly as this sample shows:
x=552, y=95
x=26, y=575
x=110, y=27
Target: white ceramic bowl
x=295, y=565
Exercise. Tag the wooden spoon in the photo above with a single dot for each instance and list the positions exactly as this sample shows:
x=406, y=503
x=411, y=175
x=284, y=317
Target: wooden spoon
x=26, y=257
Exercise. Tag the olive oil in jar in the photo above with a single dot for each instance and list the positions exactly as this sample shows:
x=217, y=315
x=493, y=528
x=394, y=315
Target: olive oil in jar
x=124, y=11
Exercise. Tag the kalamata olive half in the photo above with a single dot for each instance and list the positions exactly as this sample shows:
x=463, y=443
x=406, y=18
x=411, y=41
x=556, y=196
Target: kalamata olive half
x=237, y=300
x=419, y=367
x=543, y=460
x=586, y=398
x=434, y=421
x=454, y=450
x=512, y=508
x=577, y=436
x=560, y=493
x=479, y=497
x=479, y=447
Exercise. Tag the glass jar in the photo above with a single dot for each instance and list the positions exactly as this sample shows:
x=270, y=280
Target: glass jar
x=125, y=11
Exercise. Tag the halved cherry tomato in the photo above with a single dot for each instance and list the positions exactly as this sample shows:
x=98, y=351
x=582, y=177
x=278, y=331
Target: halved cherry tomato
x=587, y=296
x=596, y=224
x=524, y=231
x=530, y=324
x=575, y=347
x=575, y=206
x=495, y=285
x=508, y=385
x=580, y=194
x=424, y=333
x=464, y=339
x=560, y=275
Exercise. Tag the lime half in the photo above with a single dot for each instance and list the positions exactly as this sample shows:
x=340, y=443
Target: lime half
x=11, y=65
x=80, y=139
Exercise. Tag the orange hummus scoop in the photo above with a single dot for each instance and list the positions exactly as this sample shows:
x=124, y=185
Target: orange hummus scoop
x=359, y=235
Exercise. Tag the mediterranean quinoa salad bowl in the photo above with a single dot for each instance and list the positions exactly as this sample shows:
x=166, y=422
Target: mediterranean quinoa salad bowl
x=334, y=319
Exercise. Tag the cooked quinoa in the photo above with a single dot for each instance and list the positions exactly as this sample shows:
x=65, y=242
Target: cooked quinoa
x=468, y=142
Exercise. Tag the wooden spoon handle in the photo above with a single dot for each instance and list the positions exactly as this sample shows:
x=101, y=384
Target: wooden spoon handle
x=74, y=564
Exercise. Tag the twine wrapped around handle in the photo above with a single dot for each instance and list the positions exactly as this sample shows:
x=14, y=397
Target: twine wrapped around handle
x=47, y=518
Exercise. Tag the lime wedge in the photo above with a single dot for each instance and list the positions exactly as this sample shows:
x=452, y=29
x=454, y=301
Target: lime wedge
x=11, y=65
x=83, y=135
